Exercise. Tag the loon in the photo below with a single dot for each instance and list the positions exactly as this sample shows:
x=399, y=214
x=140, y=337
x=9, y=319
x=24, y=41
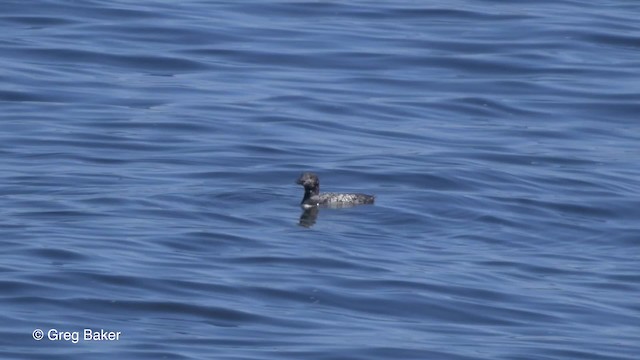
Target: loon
x=313, y=198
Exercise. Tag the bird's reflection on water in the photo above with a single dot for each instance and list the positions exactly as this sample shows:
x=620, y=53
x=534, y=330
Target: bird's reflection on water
x=308, y=217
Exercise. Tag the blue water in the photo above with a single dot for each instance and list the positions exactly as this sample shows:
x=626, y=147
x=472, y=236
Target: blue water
x=149, y=151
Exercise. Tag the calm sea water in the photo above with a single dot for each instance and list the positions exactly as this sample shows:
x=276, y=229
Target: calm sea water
x=149, y=151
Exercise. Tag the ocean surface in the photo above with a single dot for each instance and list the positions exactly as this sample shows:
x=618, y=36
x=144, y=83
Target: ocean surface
x=149, y=149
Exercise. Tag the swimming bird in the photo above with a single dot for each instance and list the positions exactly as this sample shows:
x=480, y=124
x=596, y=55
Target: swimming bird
x=313, y=198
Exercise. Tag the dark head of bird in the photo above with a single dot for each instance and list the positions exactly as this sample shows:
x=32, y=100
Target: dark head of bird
x=310, y=182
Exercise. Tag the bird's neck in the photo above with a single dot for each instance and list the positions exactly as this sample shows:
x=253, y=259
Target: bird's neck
x=309, y=192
